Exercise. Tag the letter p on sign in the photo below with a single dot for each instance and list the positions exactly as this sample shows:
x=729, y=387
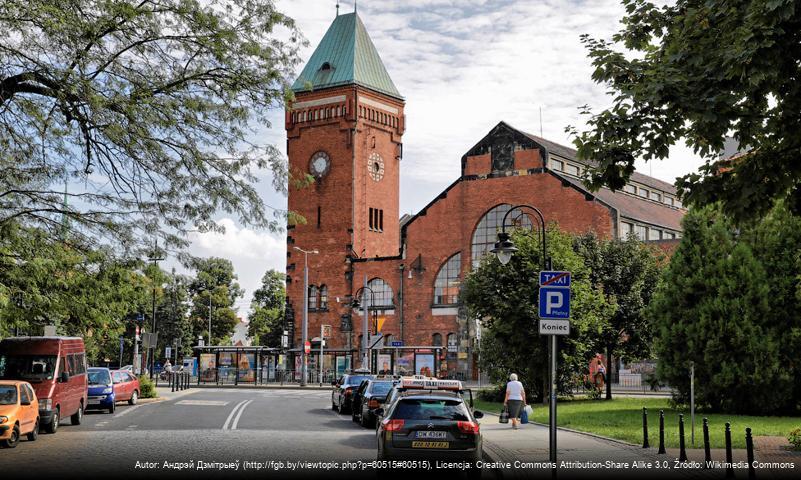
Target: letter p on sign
x=553, y=300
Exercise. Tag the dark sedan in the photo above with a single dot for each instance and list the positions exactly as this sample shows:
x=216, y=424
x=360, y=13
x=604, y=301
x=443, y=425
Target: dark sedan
x=343, y=391
x=371, y=396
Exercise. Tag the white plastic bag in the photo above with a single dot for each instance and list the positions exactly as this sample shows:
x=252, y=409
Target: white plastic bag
x=529, y=411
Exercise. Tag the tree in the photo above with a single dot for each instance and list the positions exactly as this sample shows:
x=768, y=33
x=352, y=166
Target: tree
x=148, y=106
x=505, y=298
x=627, y=272
x=712, y=310
x=214, y=291
x=700, y=71
x=266, y=317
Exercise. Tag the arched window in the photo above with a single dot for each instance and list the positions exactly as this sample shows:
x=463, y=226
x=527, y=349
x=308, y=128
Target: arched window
x=486, y=233
x=323, y=297
x=436, y=340
x=382, y=293
x=446, y=286
x=313, y=297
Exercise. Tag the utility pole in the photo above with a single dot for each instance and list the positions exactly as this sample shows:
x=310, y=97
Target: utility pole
x=365, y=327
x=305, y=334
x=155, y=258
x=209, y=317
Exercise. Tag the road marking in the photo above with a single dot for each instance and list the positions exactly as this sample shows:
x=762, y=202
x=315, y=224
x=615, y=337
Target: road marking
x=238, y=415
x=127, y=411
x=231, y=415
x=206, y=403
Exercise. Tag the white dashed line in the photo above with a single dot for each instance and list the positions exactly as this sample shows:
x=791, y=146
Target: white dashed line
x=238, y=415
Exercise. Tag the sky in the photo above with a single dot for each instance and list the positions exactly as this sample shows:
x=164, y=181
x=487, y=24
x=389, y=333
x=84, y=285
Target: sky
x=462, y=66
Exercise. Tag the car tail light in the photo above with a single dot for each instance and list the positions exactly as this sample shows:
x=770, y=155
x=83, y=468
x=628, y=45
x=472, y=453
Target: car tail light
x=393, y=425
x=348, y=392
x=468, y=427
x=45, y=404
x=373, y=403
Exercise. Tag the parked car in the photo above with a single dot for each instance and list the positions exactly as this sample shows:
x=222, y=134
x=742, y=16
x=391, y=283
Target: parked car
x=371, y=395
x=127, y=368
x=343, y=391
x=56, y=368
x=19, y=412
x=431, y=424
x=101, y=390
x=126, y=386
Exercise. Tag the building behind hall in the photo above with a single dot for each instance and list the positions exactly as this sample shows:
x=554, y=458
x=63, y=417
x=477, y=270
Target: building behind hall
x=345, y=129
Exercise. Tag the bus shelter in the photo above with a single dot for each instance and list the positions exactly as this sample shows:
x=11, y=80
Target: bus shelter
x=236, y=365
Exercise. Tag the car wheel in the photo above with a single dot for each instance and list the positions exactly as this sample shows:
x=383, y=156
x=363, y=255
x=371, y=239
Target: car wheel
x=354, y=418
x=76, y=417
x=12, y=441
x=333, y=405
x=134, y=398
x=364, y=421
x=34, y=433
x=53, y=426
x=113, y=407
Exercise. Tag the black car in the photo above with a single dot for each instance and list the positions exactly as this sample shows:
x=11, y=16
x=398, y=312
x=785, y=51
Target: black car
x=370, y=396
x=343, y=391
x=407, y=384
x=436, y=424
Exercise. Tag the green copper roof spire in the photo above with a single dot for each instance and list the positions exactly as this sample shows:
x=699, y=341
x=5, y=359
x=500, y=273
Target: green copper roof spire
x=345, y=56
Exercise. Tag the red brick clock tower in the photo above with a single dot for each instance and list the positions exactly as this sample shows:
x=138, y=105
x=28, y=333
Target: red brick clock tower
x=344, y=145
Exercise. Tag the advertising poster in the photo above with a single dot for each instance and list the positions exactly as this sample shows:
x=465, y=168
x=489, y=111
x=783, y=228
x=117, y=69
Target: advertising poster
x=227, y=366
x=208, y=367
x=384, y=364
x=341, y=367
x=424, y=364
x=247, y=367
x=405, y=364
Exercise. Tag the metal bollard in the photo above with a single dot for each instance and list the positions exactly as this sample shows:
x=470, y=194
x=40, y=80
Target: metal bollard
x=707, y=453
x=661, y=432
x=682, y=446
x=172, y=381
x=749, y=449
x=729, y=460
x=645, y=428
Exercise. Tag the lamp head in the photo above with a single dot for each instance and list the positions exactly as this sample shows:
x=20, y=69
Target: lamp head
x=504, y=248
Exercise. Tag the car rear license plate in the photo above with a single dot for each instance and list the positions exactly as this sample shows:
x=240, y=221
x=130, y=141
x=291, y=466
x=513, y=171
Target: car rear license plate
x=430, y=444
x=430, y=434
x=92, y=401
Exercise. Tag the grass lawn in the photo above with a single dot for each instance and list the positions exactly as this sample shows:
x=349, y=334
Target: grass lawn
x=621, y=418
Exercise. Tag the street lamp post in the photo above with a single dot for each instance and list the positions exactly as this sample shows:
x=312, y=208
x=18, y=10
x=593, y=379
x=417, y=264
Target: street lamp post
x=504, y=249
x=365, y=325
x=155, y=259
x=305, y=334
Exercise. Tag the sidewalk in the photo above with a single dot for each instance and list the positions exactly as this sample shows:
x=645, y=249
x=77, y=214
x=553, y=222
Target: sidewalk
x=598, y=455
x=166, y=393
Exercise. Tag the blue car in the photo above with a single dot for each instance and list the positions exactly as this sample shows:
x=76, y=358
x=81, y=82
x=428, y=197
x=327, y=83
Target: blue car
x=101, y=390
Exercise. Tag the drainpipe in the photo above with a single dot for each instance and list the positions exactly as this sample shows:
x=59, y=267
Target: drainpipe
x=400, y=302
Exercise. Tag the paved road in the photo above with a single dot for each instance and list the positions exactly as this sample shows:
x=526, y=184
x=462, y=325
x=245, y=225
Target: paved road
x=206, y=425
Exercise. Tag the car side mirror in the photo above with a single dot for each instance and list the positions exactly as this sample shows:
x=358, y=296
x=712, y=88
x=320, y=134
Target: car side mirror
x=65, y=377
x=478, y=414
x=379, y=411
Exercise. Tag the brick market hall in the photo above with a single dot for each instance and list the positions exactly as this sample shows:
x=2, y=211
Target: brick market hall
x=345, y=131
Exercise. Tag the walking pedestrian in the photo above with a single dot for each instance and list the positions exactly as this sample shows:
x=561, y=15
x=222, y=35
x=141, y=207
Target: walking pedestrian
x=515, y=399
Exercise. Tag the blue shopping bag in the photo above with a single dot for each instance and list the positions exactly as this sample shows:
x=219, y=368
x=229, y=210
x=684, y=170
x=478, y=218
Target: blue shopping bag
x=523, y=416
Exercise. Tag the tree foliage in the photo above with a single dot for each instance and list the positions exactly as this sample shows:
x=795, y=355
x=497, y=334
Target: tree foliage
x=728, y=304
x=147, y=108
x=505, y=299
x=214, y=292
x=266, y=317
x=700, y=71
x=627, y=272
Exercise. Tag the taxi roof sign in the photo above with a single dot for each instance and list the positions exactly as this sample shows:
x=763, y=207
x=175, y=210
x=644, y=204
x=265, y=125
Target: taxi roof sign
x=430, y=384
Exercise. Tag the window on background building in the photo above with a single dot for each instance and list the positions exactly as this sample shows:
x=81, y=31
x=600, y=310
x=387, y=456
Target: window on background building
x=669, y=200
x=572, y=169
x=313, y=297
x=640, y=231
x=678, y=203
x=554, y=164
x=654, y=234
x=643, y=192
x=630, y=188
x=446, y=286
x=436, y=340
x=382, y=293
x=486, y=233
x=625, y=229
x=670, y=235
x=323, y=297
x=656, y=196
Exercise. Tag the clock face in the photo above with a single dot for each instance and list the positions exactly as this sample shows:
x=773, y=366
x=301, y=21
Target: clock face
x=375, y=165
x=319, y=164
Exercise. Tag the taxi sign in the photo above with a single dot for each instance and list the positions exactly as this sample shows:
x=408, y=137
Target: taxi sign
x=430, y=384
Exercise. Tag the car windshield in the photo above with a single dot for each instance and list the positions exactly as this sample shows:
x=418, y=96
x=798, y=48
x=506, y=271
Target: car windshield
x=430, y=409
x=99, y=376
x=33, y=368
x=356, y=380
x=8, y=395
x=381, y=388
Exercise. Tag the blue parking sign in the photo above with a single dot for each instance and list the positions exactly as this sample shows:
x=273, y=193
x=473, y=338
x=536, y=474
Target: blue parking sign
x=554, y=302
